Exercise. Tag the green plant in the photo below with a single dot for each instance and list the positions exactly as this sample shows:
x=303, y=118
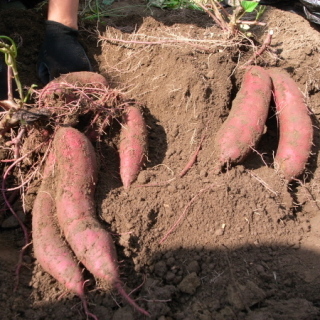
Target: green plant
x=15, y=114
x=249, y=7
x=233, y=22
x=9, y=49
x=230, y=22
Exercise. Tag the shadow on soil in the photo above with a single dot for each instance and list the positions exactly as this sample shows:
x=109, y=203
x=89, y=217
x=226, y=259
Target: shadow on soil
x=251, y=282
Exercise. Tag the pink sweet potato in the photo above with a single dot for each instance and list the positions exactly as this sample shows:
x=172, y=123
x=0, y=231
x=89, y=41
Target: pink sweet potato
x=246, y=121
x=76, y=180
x=77, y=79
x=295, y=126
x=50, y=249
x=133, y=145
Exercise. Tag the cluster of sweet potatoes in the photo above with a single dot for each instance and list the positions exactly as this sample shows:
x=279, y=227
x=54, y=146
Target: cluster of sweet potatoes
x=87, y=94
x=243, y=128
x=66, y=230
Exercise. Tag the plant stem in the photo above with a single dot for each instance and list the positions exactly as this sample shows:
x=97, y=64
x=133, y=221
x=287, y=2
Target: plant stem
x=10, y=54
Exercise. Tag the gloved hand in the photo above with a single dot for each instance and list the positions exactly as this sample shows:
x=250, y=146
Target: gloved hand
x=60, y=53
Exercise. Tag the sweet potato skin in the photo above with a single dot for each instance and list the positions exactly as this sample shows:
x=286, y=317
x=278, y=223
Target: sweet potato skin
x=76, y=180
x=246, y=121
x=80, y=78
x=133, y=145
x=295, y=126
x=50, y=249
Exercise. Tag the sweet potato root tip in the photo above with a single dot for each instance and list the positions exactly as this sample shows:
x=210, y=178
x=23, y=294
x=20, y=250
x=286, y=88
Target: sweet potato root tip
x=133, y=145
x=295, y=126
x=121, y=291
x=246, y=122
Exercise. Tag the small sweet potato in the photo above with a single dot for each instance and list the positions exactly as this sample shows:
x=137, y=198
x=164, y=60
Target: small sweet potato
x=295, y=126
x=246, y=121
x=133, y=145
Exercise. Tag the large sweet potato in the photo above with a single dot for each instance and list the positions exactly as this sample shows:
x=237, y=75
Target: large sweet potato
x=295, y=126
x=50, y=249
x=246, y=121
x=76, y=180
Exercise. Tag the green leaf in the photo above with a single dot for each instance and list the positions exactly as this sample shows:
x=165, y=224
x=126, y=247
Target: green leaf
x=249, y=6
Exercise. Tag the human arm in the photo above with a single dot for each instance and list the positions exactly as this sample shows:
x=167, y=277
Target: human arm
x=61, y=51
x=64, y=11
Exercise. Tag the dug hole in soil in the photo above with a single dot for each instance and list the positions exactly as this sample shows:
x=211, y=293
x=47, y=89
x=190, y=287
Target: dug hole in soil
x=247, y=246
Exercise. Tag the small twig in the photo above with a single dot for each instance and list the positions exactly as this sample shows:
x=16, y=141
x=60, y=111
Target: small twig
x=137, y=288
x=218, y=20
x=8, y=104
x=193, y=159
x=35, y=167
x=262, y=182
x=173, y=228
x=225, y=13
x=265, y=45
x=250, y=22
x=190, y=42
x=23, y=227
x=9, y=83
x=17, y=141
x=260, y=155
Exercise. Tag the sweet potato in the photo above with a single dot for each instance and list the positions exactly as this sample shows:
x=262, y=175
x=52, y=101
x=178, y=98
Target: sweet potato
x=295, y=126
x=50, y=249
x=133, y=145
x=76, y=180
x=78, y=79
x=246, y=121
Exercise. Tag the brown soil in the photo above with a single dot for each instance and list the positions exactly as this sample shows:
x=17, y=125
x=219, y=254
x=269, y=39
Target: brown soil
x=247, y=245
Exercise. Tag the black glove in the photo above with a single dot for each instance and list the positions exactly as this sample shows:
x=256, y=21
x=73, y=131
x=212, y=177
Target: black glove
x=60, y=53
x=313, y=5
x=312, y=16
x=311, y=9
